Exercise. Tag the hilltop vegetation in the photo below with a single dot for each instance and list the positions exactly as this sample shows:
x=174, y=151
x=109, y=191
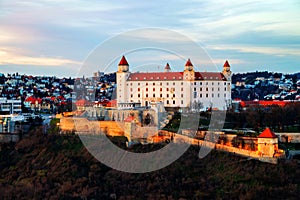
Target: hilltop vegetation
x=59, y=167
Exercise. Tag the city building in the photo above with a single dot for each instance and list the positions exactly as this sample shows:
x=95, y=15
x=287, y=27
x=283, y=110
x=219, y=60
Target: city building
x=185, y=89
x=10, y=106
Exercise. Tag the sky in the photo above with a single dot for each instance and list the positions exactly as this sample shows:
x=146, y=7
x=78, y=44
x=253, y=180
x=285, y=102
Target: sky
x=57, y=37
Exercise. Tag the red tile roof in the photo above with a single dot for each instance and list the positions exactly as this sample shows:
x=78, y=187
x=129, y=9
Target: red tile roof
x=83, y=102
x=188, y=63
x=123, y=61
x=129, y=119
x=267, y=133
x=155, y=76
x=169, y=76
x=226, y=64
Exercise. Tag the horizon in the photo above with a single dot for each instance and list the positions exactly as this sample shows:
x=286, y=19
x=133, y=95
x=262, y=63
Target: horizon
x=39, y=39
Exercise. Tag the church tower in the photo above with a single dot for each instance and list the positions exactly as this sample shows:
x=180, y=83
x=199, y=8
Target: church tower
x=189, y=73
x=122, y=76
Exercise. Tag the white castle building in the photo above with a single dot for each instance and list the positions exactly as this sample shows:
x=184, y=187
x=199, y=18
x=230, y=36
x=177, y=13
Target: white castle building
x=186, y=89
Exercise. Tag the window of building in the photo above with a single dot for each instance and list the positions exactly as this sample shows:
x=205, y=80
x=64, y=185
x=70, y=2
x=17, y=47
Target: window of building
x=194, y=89
x=146, y=83
x=174, y=102
x=181, y=83
x=195, y=95
x=200, y=95
x=167, y=101
x=173, y=83
x=207, y=89
x=225, y=95
x=131, y=95
x=139, y=95
x=206, y=95
x=160, y=95
x=224, y=83
x=224, y=88
x=212, y=95
x=160, y=83
x=146, y=89
x=212, y=89
x=174, y=95
x=181, y=89
x=153, y=95
x=181, y=95
x=153, y=89
x=200, y=89
x=167, y=89
x=167, y=95
x=195, y=83
x=146, y=95
x=181, y=102
x=161, y=89
x=153, y=83
x=218, y=95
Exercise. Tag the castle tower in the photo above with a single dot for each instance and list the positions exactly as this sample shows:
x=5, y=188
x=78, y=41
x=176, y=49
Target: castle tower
x=267, y=143
x=167, y=68
x=122, y=76
x=189, y=73
x=226, y=71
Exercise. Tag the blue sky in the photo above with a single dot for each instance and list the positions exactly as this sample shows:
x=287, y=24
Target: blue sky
x=54, y=37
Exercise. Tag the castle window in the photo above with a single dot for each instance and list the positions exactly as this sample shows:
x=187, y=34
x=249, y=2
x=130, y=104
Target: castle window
x=195, y=83
x=160, y=83
x=173, y=83
x=224, y=88
x=160, y=95
x=194, y=89
x=181, y=89
x=131, y=95
x=161, y=89
x=181, y=102
x=200, y=95
x=200, y=83
x=153, y=83
x=130, y=84
x=153, y=95
x=181, y=83
x=139, y=95
x=181, y=95
x=139, y=89
x=138, y=83
x=174, y=95
x=212, y=89
x=174, y=102
x=207, y=89
x=146, y=83
x=167, y=101
x=206, y=95
x=167, y=89
x=206, y=83
x=167, y=83
x=153, y=89
x=224, y=83
x=146, y=95
x=212, y=83
x=219, y=95
x=218, y=83
x=167, y=95
x=201, y=89
x=146, y=89
x=212, y=95
x=225, y=95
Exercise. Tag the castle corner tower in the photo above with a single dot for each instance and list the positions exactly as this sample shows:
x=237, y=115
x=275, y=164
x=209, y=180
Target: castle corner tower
x=122, y=76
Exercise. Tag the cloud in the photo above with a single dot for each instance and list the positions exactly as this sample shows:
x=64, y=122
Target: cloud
x=10, y=57
x=278, y=51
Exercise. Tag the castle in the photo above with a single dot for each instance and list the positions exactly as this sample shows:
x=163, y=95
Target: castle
x=186, y=89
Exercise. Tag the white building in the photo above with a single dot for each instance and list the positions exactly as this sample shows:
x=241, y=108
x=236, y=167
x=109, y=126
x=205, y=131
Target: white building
x=186, y=89
x=10, y=106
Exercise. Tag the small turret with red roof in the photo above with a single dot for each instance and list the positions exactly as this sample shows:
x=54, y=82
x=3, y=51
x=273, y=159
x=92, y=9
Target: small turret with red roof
x=123, y=65
x=226, y=70
x=167, y=68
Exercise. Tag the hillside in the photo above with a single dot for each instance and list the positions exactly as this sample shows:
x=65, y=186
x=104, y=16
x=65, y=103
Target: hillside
x=59, y=167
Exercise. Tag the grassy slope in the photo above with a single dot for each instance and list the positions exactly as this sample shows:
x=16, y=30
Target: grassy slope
x=53, y=167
